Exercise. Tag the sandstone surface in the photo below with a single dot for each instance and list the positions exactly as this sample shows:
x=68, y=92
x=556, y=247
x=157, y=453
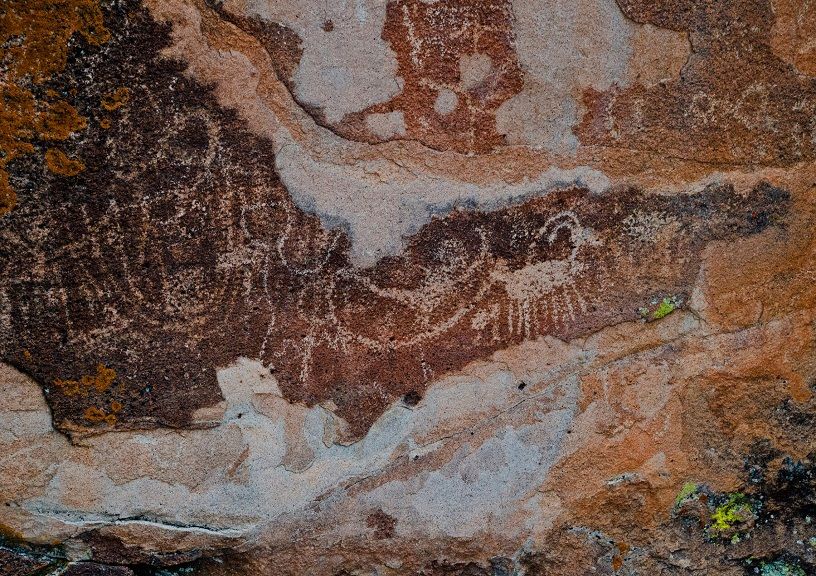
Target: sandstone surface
x=421, y=287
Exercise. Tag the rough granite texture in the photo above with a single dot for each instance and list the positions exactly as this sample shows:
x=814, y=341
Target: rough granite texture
x=421, y=287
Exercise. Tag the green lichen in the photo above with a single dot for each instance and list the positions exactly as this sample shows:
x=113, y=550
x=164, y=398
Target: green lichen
x=781, y=568
x=726, y=517
x=666, y=307
x=660, y=308
x=688, y=490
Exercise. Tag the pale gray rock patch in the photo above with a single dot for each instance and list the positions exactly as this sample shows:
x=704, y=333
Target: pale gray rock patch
x=380, y=204
x=446, y=101
x=346, y=69
x=474, y=69
x=481, y=482
x=563, y=46
x=232, y=479
x=386, y=125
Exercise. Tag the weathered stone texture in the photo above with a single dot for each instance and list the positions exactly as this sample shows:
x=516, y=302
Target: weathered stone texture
x=407, y=287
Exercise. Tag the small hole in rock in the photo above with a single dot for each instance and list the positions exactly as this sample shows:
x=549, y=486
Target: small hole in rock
x=522, y=386
x=411, y=398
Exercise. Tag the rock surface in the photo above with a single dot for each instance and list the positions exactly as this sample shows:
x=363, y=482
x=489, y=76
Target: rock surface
x=462, y=287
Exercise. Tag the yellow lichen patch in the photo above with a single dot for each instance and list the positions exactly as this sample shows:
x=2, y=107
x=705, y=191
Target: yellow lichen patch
x=17, y=115
x=8, y=198
x=59, y=120
x=33, y=46
x=99, y=383
x=97, y=415
x=16, y=129
x=105, y=123
x=10, y=533
x=59, y=163
x=39, y=33
x=116, y=99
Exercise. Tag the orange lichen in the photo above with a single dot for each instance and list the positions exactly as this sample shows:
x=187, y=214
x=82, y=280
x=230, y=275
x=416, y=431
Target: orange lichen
x=97, y=415
x=33, y=46
x=618, y=558
x=99, y=383
x=60, y=164
x=59, y=120
x=16, y=121
x=116, y=99
x=8, y=198
x=41, y=31
x=617, y=563
x=17, y=107
x=10, y=533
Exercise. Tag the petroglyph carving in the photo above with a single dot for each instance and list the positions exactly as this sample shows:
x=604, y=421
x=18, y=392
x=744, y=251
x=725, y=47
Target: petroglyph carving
x=194, y=254
x=547, y=287
x=362, y=287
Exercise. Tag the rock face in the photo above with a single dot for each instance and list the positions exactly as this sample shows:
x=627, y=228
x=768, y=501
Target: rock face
x=461, y=287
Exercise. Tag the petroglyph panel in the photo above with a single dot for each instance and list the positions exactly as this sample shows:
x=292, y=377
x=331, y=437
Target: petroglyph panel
x=199, y=256
x=466, y=75
x=735, y=102
x=407, y=287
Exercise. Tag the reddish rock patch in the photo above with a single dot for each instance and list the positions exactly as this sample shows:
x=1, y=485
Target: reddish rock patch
x=465, y=48
x=736, y=101
x=382, y=523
